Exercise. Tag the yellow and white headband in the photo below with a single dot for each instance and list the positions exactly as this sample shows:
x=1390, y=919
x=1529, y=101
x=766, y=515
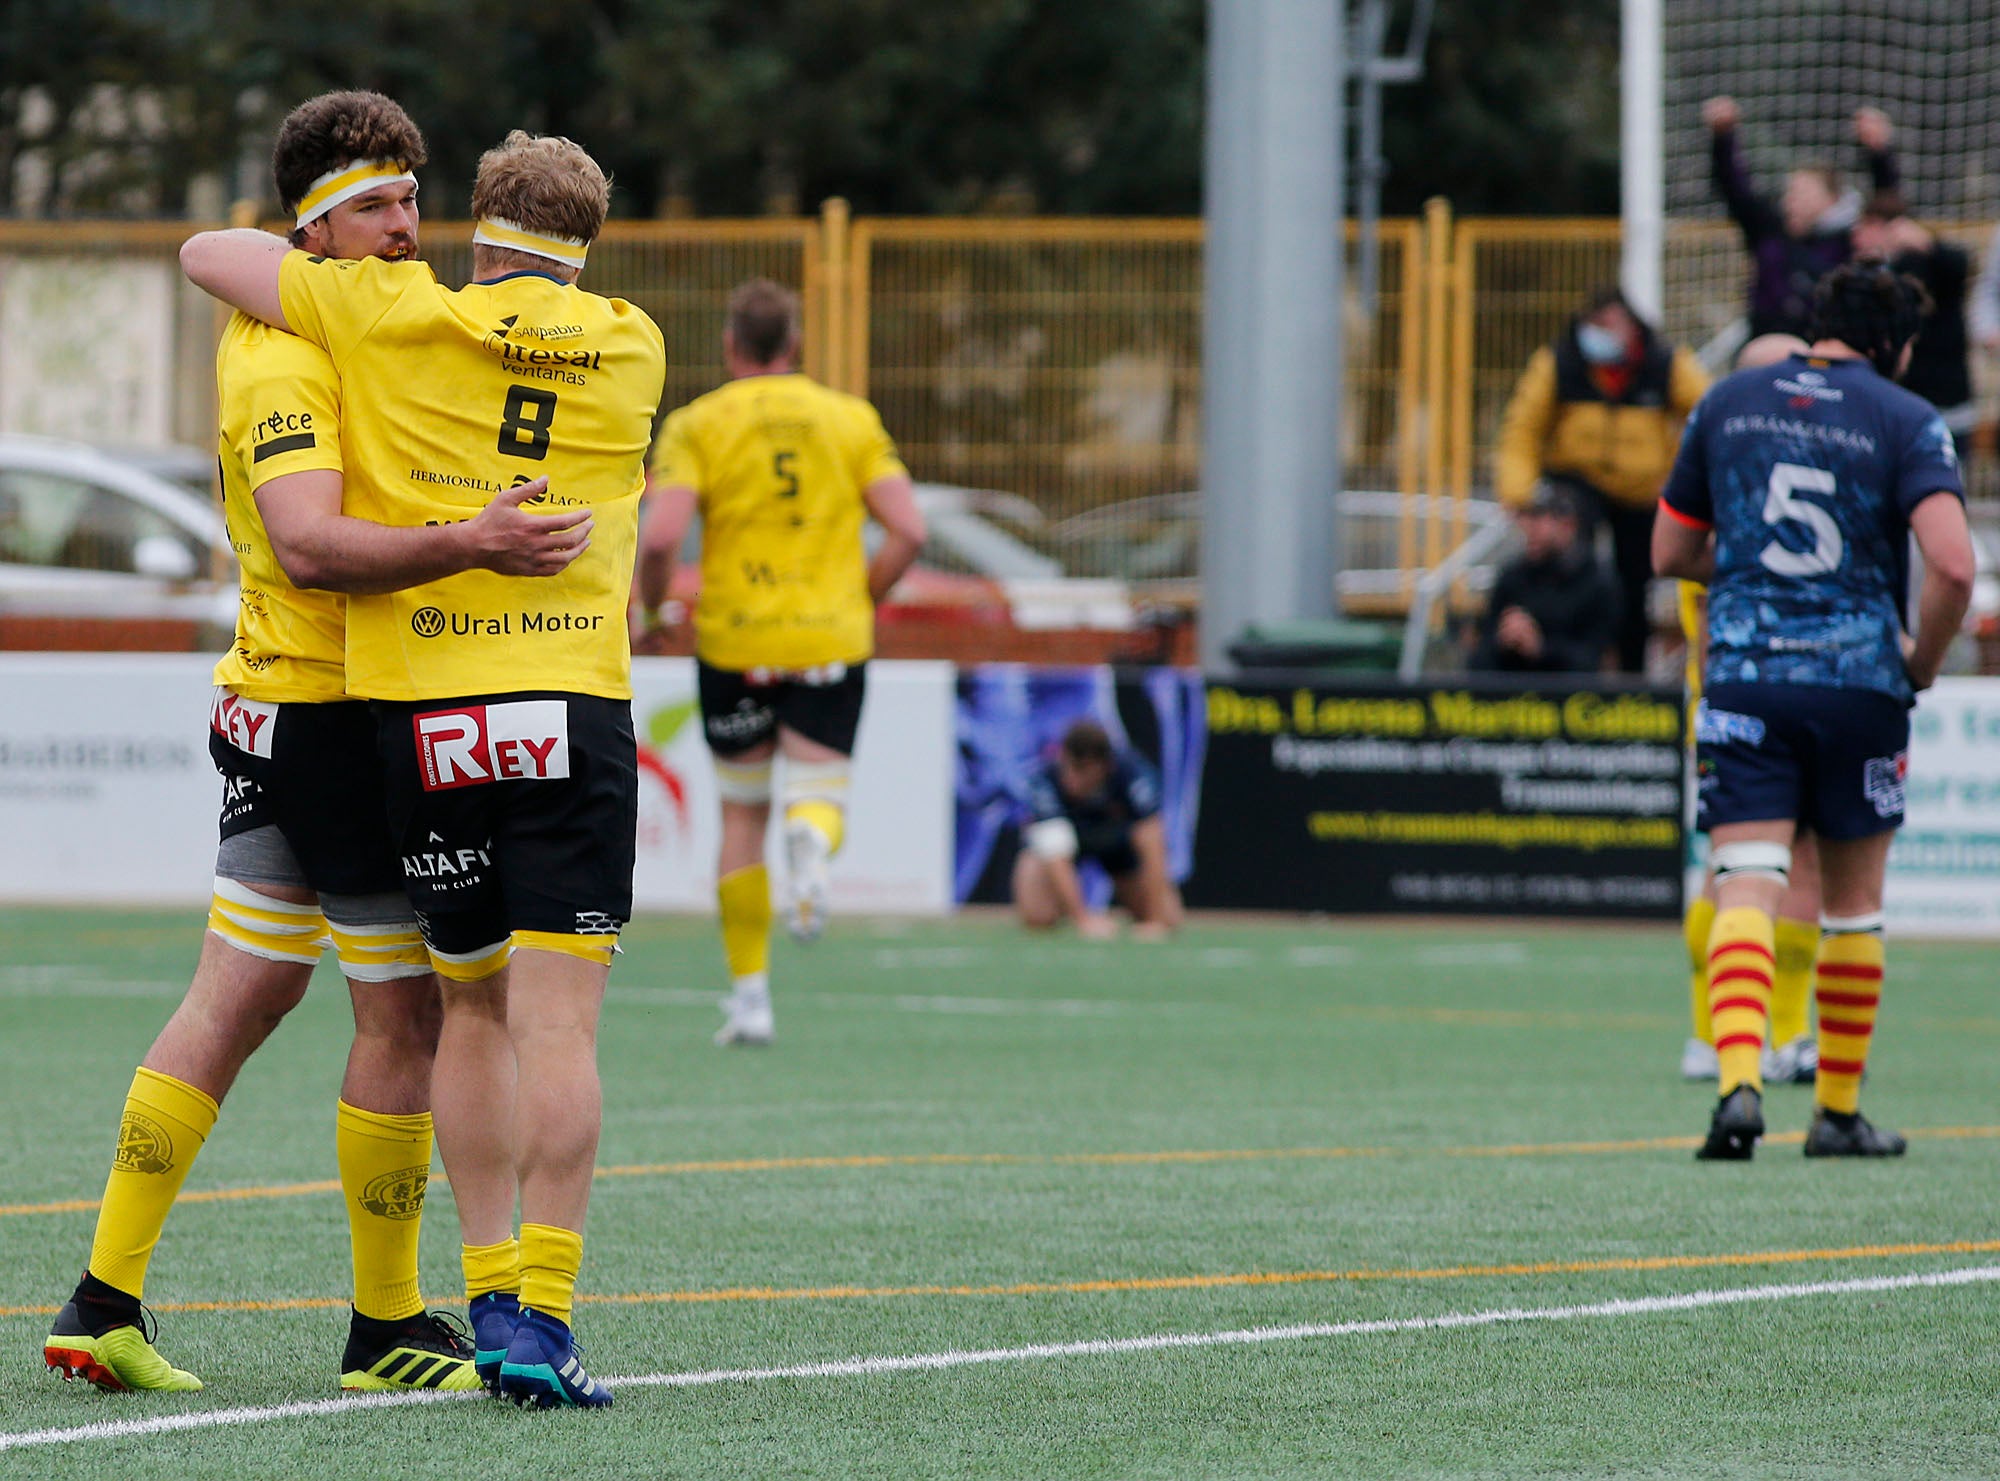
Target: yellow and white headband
x=492, y=231
x=341, y=185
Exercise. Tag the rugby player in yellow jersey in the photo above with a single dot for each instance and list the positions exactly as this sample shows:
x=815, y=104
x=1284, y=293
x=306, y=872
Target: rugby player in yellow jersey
x=784, y=473
x=503, y=705
x=304, y=845
x=1792, y=1057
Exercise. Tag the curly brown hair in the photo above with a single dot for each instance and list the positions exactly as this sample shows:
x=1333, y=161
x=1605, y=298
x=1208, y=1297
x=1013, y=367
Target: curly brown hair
x=542, y=183
x=336, y=129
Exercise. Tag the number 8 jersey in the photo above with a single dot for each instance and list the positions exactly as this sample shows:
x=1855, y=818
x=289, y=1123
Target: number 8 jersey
x=1807, y=471
x=452, y=396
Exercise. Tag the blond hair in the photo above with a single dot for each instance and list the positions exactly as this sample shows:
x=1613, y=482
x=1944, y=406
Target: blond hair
x=541, y=183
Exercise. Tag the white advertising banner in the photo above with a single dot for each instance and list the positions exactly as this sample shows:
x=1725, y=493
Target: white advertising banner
x=897, y=858
x=107, y=794
x=106, y=790
x=1944, y=870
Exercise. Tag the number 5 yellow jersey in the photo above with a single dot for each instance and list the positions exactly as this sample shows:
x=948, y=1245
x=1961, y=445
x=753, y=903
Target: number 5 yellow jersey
x=778, y=464
x=449, y=397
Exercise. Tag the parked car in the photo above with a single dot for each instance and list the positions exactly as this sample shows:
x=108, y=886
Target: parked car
x=97, y=551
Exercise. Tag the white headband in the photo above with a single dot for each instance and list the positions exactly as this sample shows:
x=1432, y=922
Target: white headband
x=337, y=186
x=492, y=231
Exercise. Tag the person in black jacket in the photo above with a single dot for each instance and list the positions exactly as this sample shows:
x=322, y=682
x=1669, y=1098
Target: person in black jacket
x=1938, y=371
x=1553, y=608
x=1805, y=233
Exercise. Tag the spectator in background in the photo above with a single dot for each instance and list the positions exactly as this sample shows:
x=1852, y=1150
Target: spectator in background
x=1094, y=801
x=1602, y=408
x=1554, y=608
x=1984, y=314
x=1807, y=232
x=1938, y=370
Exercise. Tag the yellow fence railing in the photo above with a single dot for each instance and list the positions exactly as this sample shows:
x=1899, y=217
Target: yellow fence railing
x=1054, y=359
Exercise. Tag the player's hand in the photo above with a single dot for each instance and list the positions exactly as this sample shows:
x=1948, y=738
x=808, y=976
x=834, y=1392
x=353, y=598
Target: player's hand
x=661, y=632
x=508, y=539
x=1094, y=925
x=1720, y=114
x=1872, y=129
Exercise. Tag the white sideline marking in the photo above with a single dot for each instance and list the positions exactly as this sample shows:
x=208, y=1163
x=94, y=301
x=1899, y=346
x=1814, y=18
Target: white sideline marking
x=938, y=1361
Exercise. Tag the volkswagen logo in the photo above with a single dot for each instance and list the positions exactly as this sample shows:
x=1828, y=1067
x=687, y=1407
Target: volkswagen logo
x=427, y=622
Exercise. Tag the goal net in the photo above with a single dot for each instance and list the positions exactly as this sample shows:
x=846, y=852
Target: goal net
x=1798, y=70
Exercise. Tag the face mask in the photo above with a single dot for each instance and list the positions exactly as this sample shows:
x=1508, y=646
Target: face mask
x=1600, y=346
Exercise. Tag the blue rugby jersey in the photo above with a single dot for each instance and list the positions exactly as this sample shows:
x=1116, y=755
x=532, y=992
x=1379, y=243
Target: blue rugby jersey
x=1104, y=821
x=1807, y=471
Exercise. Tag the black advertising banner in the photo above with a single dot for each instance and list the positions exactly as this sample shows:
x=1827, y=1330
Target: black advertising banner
x=1556, y=800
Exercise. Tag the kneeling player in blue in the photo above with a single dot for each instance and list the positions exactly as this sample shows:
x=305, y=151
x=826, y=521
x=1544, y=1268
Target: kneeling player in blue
x=1794, y=497
x=1094, y=801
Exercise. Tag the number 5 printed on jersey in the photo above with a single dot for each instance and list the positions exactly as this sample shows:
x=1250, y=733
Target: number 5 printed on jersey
x=1782, y=504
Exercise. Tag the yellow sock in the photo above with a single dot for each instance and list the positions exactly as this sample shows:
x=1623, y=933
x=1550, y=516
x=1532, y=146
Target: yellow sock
x=1695, y=926
x=165, y=1123
x=1796, y=949
x=829, y=818
x=550, y=1259
x=385, y=1166
x=1850, y=991
x=1740, y=952
x=491, y=1267
x=744, y=898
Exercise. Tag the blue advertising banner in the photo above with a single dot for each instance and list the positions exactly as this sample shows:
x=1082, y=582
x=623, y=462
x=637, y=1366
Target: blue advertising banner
x=1010, y=718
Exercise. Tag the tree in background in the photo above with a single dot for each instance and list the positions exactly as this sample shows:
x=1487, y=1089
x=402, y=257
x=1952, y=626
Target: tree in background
x=727, y=107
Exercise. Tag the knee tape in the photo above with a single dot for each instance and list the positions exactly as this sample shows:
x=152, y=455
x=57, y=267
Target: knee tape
x=747, y=782
x=1051, y=838
x=262, y=926
x=595, y=948
x=1852, y=925
x=375, y=937
x=1753, y=859
x=471, y=966
x=817, y=781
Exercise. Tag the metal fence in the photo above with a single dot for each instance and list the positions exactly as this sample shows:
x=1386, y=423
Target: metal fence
x=1058, y=360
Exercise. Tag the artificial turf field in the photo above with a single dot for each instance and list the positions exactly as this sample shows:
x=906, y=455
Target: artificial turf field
x=1419, y=1198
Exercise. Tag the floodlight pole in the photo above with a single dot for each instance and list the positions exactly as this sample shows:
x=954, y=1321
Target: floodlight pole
x=1271, y=365
x=1641, y=156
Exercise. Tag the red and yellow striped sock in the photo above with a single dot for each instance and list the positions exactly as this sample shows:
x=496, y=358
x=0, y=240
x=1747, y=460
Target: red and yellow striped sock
x=1741, y=956
x=1849, y=990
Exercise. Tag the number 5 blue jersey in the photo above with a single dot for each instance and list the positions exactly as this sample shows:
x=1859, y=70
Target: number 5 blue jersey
x=1807, y=471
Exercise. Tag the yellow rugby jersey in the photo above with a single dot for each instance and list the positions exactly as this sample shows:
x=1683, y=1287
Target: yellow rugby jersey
x=280, y=404
x=779, y=463
x=450, y=396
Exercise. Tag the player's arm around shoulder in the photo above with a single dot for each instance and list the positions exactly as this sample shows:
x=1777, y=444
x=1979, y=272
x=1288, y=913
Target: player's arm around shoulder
x=240, y=266
x=322, y=549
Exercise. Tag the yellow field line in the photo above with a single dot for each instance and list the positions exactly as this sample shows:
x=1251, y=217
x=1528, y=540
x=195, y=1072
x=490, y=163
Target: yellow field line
x=1031, y=1159
x=1624, y=1265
